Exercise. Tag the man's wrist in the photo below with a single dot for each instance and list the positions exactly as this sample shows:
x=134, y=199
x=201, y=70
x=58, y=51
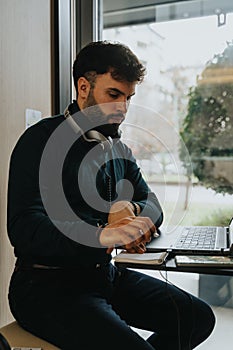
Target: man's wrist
x=136, y=208
x=100, y=229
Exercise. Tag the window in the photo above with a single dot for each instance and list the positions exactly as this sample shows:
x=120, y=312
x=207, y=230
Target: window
x=187, y=49
x=187, y=95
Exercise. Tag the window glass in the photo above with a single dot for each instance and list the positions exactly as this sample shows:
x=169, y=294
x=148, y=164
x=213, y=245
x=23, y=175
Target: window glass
x=180, y=121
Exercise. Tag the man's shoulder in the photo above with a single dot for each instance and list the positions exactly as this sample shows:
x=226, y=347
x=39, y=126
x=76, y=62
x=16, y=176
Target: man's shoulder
x=45, y=126
x=39, y=133
x=50, y=123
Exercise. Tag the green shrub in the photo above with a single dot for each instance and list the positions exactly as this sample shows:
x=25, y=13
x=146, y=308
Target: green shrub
x=208, y=125
x=216, y=218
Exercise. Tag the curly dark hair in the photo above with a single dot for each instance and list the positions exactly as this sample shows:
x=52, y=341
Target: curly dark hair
x=105, y=56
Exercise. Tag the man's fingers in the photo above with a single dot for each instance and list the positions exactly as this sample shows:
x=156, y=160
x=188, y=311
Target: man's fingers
x=140, y=248
x=142, y=229
x=109, y=250
x=130, y=231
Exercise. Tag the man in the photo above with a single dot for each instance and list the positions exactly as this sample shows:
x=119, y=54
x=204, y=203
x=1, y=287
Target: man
x=70, y=204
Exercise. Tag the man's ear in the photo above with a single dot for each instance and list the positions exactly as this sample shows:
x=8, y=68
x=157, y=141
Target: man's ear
x=83, y=86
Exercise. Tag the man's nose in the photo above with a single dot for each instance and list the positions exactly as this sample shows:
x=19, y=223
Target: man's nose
x=122, y=106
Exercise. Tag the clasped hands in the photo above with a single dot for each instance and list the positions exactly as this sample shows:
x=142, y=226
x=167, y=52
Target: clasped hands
x=125, y=230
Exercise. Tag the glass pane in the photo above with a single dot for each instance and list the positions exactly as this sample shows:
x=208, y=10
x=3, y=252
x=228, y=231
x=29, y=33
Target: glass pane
x=186, y=95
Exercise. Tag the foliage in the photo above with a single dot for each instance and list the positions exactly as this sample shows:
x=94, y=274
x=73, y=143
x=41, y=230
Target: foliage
x=207, y=127
x=216, y=218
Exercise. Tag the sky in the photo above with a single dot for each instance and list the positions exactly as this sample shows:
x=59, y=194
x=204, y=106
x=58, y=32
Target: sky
x=194, y=41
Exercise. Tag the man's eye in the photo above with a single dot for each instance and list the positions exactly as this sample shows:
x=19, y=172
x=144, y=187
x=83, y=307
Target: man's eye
x=113, y=95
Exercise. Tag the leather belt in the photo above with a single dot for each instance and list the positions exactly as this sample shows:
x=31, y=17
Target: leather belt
x=46, y=267
x=26, y=266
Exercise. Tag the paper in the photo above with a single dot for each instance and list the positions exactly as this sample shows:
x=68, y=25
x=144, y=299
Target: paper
x=204, y=261
x=146, y=258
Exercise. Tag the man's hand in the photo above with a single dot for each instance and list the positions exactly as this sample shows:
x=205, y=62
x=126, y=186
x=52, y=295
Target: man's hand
x=130, y=233
x=120, y=210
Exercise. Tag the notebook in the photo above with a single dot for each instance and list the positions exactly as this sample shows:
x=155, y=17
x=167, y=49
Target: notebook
x=147, y=258
x=195, y=240
x=204, y=261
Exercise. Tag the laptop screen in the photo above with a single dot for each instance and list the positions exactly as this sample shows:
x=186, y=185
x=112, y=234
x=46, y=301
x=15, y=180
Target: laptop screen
x=231, y=225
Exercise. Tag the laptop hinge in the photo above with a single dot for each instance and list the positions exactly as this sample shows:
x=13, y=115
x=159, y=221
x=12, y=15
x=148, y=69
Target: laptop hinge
x=228, y=251
x=230, y=238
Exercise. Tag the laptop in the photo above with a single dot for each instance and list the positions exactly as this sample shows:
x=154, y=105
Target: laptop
x=195, y=240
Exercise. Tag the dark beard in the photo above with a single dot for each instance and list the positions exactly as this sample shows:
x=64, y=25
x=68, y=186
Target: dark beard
x=111, y=130
x=98, y=120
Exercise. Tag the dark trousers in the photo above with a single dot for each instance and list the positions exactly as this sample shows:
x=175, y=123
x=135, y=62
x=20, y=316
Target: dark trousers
x=94, y=308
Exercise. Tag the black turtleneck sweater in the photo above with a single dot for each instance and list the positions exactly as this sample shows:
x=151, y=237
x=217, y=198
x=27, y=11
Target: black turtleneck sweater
x=61, y=188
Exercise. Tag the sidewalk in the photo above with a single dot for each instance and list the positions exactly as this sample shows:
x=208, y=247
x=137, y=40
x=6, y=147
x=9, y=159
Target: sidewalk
x=202, y=204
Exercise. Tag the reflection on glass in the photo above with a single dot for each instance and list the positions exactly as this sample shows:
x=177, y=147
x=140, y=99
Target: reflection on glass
x=188, y=91
x=189, y=83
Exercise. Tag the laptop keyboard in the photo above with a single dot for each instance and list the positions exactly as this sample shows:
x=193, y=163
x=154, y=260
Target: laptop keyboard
x=197, y=238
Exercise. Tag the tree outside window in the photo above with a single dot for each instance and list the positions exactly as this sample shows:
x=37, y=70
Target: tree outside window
x=208, y=125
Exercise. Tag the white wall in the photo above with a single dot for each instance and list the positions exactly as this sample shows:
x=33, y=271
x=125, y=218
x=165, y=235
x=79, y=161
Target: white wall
x=25, y=82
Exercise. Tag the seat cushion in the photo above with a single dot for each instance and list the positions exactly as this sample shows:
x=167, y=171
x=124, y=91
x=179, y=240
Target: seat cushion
x=18, y=337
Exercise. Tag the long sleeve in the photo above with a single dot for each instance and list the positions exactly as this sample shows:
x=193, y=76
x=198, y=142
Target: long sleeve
x=136, y=188
x=54, y=207
x=33, y=233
